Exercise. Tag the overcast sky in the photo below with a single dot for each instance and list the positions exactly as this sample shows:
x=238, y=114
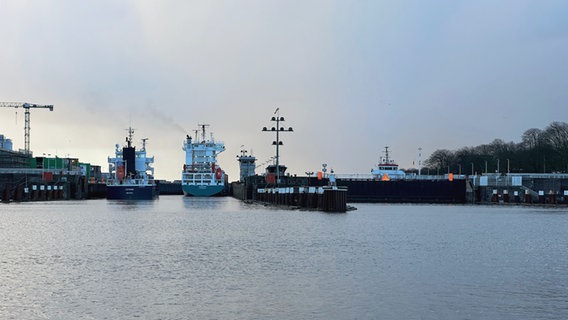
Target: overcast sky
x=349, y=76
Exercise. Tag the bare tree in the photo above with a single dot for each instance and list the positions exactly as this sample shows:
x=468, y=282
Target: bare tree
x=440, y=159
x=532, y=138
x=556, y=134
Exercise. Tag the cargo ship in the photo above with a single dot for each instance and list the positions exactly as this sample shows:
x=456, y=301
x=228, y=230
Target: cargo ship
x=202, y=176
x=131, y=176
x=387, y=183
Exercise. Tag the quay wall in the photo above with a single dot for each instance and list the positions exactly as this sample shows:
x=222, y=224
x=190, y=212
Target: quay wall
x=327, y=199
x=169, y=188
x=481, y=189
x=523, y=189
x=40, y=187
x=241, y=191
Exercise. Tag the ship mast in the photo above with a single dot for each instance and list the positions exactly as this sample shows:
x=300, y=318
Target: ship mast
x=144, y=144
x=203, y=126
x=129, y=139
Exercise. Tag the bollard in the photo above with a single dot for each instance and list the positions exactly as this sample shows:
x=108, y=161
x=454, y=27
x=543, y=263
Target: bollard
x=6, y=194
x=494, y=196
x=506, y=196
x=551, y=197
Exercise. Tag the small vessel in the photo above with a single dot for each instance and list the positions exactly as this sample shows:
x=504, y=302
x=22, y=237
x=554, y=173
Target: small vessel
x=131, y=173
x=202, y=176
x=387, y=169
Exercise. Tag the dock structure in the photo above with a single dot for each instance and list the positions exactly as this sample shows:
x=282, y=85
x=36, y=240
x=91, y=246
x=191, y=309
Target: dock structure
x=294, y=192
x=276, y=187
x=24, y=177
x=327, y=199
x=528, y=188
x=37, y=187
x=34, y=185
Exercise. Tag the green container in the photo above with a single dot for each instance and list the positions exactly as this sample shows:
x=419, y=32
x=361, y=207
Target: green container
x=85, y=169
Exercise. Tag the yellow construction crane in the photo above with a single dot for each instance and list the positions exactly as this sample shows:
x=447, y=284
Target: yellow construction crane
x=27, y=107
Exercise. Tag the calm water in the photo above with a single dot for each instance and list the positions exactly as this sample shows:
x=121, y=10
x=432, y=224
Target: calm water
x=218, y=258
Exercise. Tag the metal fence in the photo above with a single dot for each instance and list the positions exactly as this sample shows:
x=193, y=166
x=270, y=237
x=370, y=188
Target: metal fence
x=511, y=180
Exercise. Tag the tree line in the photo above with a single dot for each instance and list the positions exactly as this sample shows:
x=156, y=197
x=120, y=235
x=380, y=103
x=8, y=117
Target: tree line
x=540, y=151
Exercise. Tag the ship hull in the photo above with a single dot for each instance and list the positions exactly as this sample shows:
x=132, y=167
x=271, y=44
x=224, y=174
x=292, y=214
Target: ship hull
x=202, y=190
x=126, y=192
x=407, y=191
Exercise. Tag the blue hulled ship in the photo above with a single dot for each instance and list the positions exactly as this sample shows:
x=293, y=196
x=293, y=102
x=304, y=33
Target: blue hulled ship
x=131, y=173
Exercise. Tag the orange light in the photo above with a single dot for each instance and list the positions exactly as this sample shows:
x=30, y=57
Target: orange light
x=451, y=176
x=385, y=177
x=320, y=175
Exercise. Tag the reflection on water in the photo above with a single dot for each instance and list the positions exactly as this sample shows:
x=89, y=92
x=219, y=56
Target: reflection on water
x=205, y=203
x=130, y=205
x=218, y=258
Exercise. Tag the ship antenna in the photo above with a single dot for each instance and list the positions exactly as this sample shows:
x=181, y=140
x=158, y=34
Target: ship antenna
x=386, y=154
x=203, y=126
x=144, y=143
x=129, y=139
x=243, y=151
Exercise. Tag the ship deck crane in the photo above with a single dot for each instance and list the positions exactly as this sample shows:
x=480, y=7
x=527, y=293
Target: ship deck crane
x=27, y=107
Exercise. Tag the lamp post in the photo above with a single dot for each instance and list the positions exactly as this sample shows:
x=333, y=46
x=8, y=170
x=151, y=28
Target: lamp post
x=419, y=160
x=277, y=143
x=309, y=174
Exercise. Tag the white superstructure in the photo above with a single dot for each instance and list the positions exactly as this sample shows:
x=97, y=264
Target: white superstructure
x=387, y=169
x=201, y=175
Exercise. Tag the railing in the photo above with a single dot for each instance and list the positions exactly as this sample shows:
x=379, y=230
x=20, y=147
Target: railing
x=40, y=171
x=290, y=190
x=406, y=177
x=127, y=182
x=516, y=179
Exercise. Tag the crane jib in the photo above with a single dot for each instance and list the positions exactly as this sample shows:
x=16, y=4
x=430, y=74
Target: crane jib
x=26, y=106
